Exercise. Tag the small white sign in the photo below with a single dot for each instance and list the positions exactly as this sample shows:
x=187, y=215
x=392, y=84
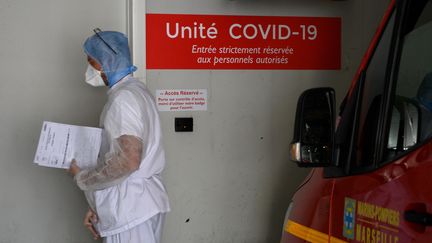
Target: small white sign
x=181, y=99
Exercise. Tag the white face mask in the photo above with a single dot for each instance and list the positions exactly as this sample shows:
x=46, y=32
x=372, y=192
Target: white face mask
x=93, y=77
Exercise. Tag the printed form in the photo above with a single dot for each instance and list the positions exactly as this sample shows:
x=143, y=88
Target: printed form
x=60, y=143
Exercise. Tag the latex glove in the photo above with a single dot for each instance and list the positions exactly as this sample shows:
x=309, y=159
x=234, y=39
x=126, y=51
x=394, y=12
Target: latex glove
x=74, y=168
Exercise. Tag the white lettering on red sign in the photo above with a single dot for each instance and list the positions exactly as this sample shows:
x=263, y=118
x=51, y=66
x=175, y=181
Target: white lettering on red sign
x=183, y=41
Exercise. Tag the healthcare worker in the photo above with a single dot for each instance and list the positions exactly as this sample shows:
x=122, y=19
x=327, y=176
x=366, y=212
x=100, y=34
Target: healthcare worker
x=127, y=198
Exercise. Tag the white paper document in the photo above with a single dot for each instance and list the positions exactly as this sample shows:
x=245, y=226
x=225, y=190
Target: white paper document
x=60, y=143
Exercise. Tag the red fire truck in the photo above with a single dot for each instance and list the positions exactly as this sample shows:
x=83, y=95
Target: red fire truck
x=372, y=158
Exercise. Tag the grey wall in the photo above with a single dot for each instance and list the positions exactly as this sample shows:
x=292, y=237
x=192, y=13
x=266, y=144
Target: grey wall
x=42, y=68
x=231, y=177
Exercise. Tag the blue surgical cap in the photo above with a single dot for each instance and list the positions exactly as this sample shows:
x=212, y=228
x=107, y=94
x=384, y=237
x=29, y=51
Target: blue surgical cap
x=424, y=93
x=111, y=50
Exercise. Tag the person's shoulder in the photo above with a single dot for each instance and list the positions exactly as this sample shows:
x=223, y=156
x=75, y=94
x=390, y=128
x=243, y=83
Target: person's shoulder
x=137, y=88
x=123, y=94
x=129, y=94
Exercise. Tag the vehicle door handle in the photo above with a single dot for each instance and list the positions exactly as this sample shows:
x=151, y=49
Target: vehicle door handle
x=422, y=218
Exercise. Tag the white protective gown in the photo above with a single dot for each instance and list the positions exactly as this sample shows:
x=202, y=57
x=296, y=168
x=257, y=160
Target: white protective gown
x=127, y=200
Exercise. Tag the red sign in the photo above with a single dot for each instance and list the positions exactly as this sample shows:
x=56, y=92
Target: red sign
x=177, y=41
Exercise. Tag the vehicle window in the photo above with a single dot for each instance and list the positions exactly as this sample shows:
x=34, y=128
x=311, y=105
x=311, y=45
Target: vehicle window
x=411, y=116
x=371, y=99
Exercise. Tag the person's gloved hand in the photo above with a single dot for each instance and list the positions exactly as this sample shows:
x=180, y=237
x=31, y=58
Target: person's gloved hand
x=74, y=168
x=89, y=219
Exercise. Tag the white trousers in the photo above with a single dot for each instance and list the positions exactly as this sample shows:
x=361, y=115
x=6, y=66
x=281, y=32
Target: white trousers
x=148, y=232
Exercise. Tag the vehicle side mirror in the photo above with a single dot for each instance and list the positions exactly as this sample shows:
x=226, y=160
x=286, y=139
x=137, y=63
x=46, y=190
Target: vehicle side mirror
x=314, y=128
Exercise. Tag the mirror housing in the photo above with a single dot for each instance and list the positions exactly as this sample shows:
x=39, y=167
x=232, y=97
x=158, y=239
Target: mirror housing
x=314, y=129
